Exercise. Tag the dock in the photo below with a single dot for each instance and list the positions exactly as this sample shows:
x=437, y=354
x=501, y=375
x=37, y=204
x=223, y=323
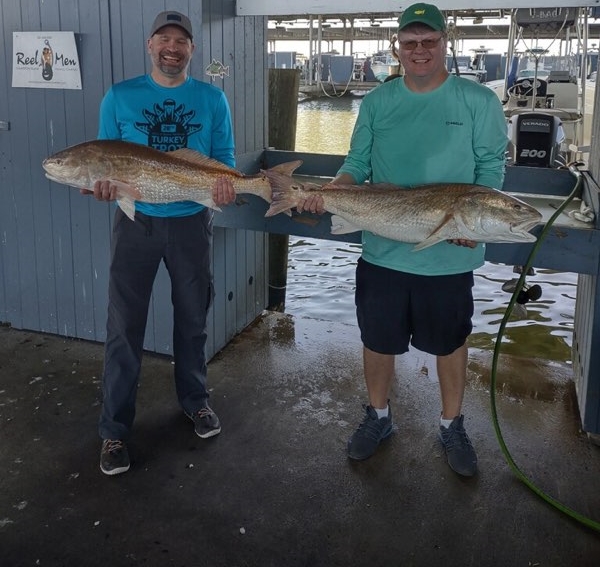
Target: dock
x=337, y=89
x=276, y=488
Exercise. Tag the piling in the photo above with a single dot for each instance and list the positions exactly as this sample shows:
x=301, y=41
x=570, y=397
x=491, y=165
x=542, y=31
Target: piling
x=284, y=86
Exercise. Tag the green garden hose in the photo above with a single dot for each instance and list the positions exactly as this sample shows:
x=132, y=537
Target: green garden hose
x=520, y=475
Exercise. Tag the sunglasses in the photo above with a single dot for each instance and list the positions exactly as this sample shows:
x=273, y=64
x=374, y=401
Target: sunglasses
x=411, y=44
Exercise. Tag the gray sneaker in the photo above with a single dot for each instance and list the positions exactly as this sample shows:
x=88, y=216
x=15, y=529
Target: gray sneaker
x=206, y=422
x=461, y=456
x=370, y=433
x=114, y=458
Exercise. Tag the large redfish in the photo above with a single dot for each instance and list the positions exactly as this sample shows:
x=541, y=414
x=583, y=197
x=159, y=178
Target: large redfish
x=144, y=174
x=424, y=215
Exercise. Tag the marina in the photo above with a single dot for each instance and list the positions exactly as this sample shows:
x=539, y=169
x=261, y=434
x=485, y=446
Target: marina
x=525, y=39
x=276, y=486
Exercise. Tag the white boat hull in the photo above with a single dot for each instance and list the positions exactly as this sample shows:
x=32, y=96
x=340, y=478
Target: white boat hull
x=383, y=70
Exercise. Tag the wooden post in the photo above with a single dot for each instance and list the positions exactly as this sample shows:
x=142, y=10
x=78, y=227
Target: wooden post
x=284, y=85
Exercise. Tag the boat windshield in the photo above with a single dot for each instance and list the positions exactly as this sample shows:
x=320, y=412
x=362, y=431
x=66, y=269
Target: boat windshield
x=556, y=64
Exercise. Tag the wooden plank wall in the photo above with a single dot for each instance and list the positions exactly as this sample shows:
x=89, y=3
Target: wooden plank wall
x=586, y=328
x=54, y=243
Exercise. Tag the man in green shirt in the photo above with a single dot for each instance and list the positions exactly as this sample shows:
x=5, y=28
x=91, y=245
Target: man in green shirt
x=425, y=127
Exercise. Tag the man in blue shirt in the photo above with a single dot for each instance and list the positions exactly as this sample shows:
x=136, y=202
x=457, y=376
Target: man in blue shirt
x=167, y=110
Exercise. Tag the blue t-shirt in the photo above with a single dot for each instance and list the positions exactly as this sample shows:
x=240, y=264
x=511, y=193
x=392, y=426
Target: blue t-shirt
x=453, y=134
x=193, y=115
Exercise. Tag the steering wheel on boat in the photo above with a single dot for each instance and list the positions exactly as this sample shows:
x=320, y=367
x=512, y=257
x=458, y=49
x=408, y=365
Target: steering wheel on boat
x=526, y=85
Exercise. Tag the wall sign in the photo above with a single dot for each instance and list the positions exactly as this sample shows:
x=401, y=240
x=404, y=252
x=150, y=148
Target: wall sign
x=45, y=60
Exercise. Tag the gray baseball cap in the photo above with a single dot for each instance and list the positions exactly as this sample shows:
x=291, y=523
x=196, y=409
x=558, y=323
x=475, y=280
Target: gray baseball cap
x=171, y=18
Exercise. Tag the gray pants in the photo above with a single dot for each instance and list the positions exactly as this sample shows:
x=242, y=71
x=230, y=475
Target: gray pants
x=137, y=248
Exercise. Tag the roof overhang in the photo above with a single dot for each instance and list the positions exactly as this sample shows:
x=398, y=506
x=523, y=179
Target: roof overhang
x=316, y=7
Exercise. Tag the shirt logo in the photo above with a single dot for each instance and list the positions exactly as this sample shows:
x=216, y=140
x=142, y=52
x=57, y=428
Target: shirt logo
x=168, y=126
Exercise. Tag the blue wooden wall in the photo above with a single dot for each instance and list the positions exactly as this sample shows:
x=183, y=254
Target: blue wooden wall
x=586, y=327
x=54, y=242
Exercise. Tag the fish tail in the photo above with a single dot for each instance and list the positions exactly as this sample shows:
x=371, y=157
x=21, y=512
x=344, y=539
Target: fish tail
x=283, y=197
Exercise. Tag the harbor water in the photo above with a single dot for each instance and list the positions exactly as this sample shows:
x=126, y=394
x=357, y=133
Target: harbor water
x=321, y=272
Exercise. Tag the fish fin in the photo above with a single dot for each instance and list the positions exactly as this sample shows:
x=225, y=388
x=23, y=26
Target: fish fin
x=280, y=180
x=440, y=234
x=429, y=241
x=339, y=225
x=209, y=204
x=196, y=158
x=382, y=186
x=124, y=190
x=283, y=197
x=365, y=187
x=282, y=206
x=127, y=205
x=287, y=168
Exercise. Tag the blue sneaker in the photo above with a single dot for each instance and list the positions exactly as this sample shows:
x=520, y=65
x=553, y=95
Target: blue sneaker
x=206, y=422
x=114, y=458
x=461, y=456
x=370, y=433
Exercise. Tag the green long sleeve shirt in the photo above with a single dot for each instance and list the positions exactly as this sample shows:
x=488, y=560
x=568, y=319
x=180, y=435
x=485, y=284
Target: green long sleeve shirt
x=453, y=134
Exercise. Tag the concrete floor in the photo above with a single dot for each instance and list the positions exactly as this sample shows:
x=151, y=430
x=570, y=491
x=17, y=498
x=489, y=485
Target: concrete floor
x=276, y=488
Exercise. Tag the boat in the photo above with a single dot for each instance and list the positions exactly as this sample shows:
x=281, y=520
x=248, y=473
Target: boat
x=543, y=95
x=473, y=68
x=383, y=64
x=359, y=68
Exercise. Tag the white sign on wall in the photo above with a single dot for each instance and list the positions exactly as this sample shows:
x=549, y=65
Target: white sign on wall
x=45, y=60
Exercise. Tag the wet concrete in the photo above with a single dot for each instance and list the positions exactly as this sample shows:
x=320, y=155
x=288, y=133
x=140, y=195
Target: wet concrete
x=276, y=488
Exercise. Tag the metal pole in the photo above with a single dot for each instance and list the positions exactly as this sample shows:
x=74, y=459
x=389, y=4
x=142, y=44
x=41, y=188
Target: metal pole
x=310, y=51
x=510, y=51
x=319, y=59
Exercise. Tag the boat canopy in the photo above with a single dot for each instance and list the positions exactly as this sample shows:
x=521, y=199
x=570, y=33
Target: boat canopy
x=319, y=7
x=546, y=19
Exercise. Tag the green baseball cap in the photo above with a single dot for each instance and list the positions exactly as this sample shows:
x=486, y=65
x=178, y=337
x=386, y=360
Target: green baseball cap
x=421, y=13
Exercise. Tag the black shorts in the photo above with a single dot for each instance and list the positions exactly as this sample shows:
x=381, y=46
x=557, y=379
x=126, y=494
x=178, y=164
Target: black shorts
x=433, y=313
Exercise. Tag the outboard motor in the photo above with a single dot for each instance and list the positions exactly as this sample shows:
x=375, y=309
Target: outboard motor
x=536, y=138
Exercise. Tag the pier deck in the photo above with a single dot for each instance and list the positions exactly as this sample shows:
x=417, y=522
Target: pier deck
x=275, y=488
